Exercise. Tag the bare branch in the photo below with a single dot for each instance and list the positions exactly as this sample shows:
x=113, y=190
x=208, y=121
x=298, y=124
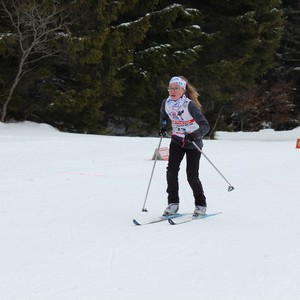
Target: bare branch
x=36, y=25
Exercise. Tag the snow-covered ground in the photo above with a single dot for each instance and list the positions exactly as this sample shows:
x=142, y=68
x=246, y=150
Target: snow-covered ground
x=67, y=202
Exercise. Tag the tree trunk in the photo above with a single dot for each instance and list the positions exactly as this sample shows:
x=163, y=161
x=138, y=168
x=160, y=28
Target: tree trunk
x=12, y=89
x=37, y=24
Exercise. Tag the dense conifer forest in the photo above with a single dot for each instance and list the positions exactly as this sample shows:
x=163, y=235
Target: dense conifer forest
x=103, y=66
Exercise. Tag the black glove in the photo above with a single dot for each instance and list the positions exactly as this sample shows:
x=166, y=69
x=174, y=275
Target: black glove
x=191, y=136
x=163, y=129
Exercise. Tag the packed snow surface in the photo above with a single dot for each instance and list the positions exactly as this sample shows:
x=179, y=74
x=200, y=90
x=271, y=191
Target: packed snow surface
x=67, y=202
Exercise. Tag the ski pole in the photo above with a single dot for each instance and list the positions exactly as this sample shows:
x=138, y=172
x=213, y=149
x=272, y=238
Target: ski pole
x=156, y=155
x=230, y=187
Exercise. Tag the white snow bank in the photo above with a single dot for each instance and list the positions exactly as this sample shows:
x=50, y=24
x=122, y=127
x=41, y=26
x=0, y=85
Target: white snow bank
x=27, y=128
x=33, y=129
x=262, y=135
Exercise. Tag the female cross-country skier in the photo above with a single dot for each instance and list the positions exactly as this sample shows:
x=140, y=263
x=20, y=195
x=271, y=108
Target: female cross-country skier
x=189, y=125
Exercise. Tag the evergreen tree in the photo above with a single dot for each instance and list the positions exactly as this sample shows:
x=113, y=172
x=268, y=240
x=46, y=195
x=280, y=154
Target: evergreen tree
x=222, y=47
x=100, y=45
x=275, y=102
x=119, y=56
x=245, y=35
x=172, y=45
x=288, y=56
x=69, y=91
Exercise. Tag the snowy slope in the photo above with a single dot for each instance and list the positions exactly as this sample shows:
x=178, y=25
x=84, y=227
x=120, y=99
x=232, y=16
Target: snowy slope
x=67, y=203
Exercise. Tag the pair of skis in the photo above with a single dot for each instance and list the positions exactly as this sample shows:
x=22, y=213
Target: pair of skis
x=176, y=219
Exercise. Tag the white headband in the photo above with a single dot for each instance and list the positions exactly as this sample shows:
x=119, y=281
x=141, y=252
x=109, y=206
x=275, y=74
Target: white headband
x=179, y=81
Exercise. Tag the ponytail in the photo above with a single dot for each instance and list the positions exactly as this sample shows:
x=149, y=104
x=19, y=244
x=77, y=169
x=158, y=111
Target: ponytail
x=191, y=93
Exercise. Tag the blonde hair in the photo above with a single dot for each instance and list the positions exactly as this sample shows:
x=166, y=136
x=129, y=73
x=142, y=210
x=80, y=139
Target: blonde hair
x=191, y=92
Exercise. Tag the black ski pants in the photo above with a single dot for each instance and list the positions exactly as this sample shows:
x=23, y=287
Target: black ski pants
x=176, y=154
